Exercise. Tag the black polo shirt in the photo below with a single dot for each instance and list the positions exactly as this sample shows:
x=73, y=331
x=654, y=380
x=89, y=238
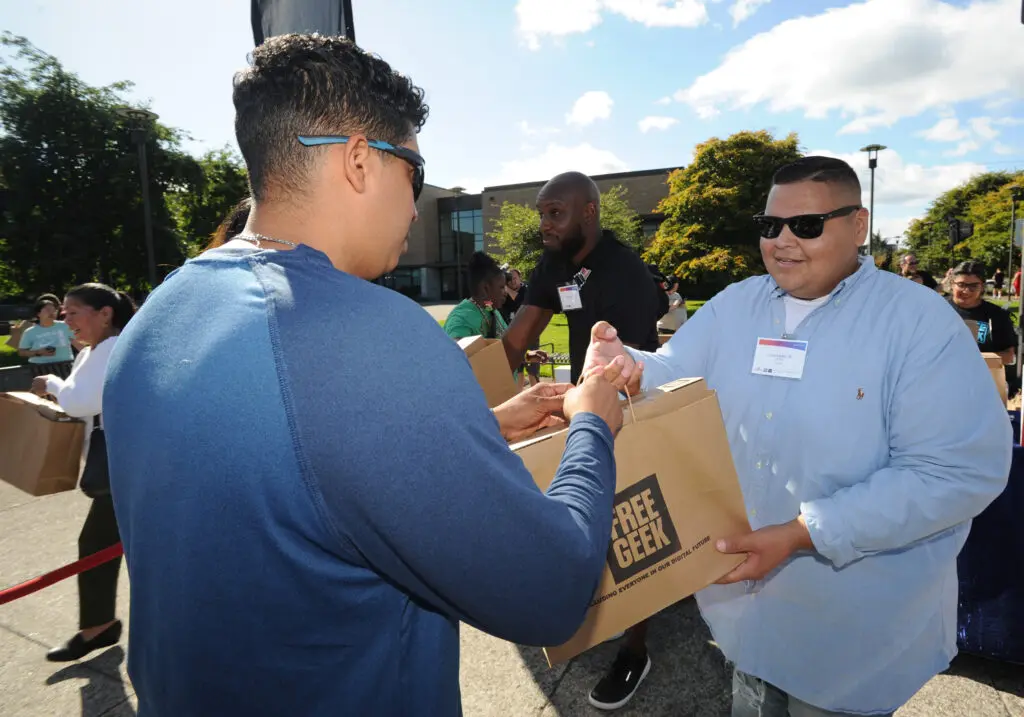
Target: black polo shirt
x=995, y=329
x=615, y=286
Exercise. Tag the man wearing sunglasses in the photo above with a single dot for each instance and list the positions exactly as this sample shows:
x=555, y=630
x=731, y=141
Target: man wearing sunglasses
x=312, y=489
x=834, y=380
x=909, y=268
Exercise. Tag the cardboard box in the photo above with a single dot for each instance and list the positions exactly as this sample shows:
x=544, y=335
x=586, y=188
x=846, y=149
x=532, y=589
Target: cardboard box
x=40, y=445
x=998, y=371
x=489, y=362
x=677, y=492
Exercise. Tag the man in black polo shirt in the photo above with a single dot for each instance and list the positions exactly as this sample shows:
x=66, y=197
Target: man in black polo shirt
x=586, y=273
x=995, y=329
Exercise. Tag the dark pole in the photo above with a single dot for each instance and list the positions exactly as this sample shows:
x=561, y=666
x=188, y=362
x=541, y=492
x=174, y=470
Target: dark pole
x=872, y=163
x=1013, y=225
x=872, y=150
x=139, y=135
x=350, y=28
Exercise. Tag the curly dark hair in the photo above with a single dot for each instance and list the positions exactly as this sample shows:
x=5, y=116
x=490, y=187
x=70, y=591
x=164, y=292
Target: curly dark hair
x=481, y=268
x=314, y=84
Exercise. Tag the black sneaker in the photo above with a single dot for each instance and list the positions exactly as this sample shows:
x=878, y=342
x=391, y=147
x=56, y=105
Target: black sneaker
x=622, y=681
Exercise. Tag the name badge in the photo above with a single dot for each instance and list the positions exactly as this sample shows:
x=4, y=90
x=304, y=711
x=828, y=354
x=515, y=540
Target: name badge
x=570, y=297
x=783, y=358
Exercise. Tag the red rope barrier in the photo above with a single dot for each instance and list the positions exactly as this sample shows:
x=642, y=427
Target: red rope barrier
x=44, y=581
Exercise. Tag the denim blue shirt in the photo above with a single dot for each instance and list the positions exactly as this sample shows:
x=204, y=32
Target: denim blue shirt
x=893, y=439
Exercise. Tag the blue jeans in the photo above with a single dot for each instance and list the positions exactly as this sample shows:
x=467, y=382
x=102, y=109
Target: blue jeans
x=752, y=697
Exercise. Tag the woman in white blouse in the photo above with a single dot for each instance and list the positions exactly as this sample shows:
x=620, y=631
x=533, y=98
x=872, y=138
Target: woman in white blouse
x=96, y=314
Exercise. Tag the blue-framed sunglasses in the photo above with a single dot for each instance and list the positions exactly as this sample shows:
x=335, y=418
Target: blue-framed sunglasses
x=413, y=158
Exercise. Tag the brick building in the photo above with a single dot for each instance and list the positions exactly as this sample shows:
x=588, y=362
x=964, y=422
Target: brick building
x=454, y=224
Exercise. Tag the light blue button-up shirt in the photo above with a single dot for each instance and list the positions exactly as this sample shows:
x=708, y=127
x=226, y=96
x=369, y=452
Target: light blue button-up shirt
x=893, y=439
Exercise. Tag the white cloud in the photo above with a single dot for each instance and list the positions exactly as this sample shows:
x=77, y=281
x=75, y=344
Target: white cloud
x=978, y=131
x=560, y=18
x=743, y=9
x=555, y=159
x=660, y=123
x=664, y=101
x=945, y=130
x=982, y=126
x=1003, y=149
x=873, y=62
x=590, y=107
x=530, y=131
x=891, y=227
x=965, y=147
x=661, y=13
x=537, y=18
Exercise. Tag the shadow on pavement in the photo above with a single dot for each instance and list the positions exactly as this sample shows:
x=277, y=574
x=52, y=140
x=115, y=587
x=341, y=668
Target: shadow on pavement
x=1004, y=676
x=102, y=689
x=689, y=677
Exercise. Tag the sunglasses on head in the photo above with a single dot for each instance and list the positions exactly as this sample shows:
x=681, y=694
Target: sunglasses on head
x=414, y=159
x=803, y=226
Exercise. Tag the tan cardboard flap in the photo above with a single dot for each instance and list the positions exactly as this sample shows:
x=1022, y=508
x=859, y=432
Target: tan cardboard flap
x=45, y=408
x=471, y=345
x=489, y=362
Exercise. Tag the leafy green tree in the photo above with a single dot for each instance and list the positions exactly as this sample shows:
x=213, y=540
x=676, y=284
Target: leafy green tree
x=517, y=228
x=991, y=213
x=517, y=231
x=619, y=217
x=199, y=209
x=707, y=237
x=979, y=200
x=72, y=205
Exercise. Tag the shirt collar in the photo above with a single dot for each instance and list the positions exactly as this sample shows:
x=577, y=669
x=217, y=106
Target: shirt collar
x=867, y=268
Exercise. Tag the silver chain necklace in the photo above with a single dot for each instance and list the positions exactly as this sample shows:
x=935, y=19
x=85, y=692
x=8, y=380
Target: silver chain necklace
x=257, y=238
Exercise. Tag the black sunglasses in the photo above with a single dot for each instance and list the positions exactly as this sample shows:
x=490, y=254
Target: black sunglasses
x=804, y=226
x=414, y=159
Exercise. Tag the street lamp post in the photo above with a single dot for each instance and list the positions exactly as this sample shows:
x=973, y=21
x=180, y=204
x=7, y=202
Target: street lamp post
x=138, y=121
x=872, y=150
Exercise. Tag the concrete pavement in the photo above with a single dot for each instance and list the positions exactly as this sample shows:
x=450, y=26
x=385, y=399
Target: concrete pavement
x=689, y=678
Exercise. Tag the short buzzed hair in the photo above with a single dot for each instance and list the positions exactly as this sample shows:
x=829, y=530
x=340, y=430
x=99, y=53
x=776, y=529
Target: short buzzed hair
x=315, y=85
x=828, y=170
x=574, y=182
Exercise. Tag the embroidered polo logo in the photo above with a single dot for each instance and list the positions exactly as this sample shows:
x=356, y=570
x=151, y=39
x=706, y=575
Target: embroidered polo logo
x=860, y=394
x=642, y=530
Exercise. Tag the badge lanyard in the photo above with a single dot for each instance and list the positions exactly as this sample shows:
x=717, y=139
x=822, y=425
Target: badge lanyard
x=569, y=294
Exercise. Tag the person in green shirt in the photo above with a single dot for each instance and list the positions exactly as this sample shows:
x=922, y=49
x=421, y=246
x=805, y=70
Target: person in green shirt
x=480, y=314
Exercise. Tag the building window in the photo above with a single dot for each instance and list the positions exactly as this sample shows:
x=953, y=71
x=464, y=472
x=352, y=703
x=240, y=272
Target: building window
x=461, y=233
x=651, y=222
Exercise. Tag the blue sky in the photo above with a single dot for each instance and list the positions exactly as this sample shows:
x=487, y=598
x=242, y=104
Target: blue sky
x=522, y=89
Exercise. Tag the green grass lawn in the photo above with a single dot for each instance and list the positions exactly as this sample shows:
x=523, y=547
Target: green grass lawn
x=8, y=354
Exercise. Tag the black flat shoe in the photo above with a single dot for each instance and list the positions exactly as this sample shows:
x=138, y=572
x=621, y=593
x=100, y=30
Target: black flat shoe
x=78, y=647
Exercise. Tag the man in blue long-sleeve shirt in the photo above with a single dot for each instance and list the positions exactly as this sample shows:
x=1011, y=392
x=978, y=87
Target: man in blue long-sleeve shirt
x=311, y=490
x=835, y=381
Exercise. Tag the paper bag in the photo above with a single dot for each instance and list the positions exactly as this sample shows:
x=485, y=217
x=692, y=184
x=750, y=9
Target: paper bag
x=40, y=445
x=489, y=362
x=677, y=492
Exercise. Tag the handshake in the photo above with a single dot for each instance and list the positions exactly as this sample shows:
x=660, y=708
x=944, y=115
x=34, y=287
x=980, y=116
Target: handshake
x=608, y=369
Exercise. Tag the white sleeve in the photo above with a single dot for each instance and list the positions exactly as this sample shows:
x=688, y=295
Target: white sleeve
x=81, y=395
